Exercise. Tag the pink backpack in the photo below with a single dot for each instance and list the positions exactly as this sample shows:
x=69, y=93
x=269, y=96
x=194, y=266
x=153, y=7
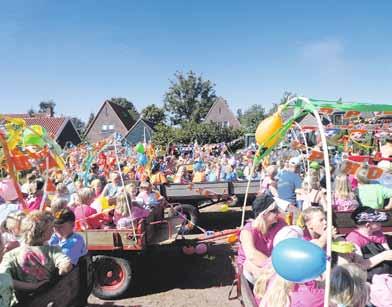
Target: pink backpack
x=381, y=290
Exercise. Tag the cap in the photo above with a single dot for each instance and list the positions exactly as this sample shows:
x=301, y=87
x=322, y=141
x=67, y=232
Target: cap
x=363, y=215
x=295, y=161
x=261, y=203
x=63, y=216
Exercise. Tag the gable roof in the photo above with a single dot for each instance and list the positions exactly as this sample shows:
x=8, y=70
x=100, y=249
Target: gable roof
x=53, y=125
x=144, y=121
x=224, y=102
x=122, y=113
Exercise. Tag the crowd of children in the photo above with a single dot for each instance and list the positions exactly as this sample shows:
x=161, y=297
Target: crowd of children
x=361, y=275
x=38, y=238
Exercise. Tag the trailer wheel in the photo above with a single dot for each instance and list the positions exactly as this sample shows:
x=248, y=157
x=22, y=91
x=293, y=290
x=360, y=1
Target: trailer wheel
x=192, y=215
x=113, y=277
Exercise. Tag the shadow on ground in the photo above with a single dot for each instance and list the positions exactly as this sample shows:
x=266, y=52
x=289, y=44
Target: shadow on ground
x=159, y=271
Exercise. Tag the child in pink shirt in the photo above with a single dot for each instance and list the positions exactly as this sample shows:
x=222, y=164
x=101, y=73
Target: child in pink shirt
x=82, y=208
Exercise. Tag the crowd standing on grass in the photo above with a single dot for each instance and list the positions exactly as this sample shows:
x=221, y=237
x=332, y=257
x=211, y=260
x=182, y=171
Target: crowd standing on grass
x=117, y=187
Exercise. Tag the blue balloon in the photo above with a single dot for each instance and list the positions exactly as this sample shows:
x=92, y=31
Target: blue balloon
x=142, y=159
x=298, y=260
x=197, y=167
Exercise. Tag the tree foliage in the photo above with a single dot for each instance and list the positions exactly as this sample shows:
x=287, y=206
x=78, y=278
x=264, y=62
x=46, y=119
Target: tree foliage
x=79, y=125
x=251, y=117
x=90, y=119
x=45, y=106
x=205, y=133
x=128, y=105
x=154, y=114
x=189, y=98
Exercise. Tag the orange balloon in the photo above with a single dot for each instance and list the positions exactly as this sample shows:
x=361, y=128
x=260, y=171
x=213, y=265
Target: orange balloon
x=267, y=128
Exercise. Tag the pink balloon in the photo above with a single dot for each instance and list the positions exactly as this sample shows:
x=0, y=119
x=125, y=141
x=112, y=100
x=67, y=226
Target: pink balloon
x=201, y=249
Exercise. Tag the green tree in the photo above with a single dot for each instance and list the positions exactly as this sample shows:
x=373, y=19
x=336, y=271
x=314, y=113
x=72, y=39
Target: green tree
x=204, y=133
x=251, y=118
x=154, y=114
x=79, y=125
x=164, y=135
x=125, y=103
x=286, y=97
x=189, y=98
x=90, y=119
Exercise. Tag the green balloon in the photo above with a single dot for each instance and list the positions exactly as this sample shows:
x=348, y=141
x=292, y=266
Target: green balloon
x=140, y=148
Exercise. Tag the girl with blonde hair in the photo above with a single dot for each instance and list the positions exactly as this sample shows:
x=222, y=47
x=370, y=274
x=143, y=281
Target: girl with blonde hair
x=123, y=217
x=348, y=286
x=271, y=290
x=257, y=235
x=343, y=198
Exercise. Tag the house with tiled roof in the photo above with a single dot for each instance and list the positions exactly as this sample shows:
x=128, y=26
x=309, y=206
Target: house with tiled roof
x=109, y=119
x=140, y=132
x=221, y=114
x=61, y=129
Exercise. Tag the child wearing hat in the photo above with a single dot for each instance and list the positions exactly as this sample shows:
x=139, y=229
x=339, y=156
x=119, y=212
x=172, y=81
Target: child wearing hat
x=71, y=244
x=370, y=242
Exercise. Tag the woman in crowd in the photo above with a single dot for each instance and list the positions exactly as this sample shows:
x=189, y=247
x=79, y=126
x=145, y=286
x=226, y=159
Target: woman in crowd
x=257, y=236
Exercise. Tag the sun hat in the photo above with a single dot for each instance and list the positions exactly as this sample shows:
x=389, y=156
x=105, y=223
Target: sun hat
x=262, y=203
x=363, y=215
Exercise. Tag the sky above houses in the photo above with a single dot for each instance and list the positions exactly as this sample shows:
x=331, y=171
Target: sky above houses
x=80, y=53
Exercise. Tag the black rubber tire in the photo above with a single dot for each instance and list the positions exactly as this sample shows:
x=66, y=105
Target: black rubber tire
x=117, y=284
x=191, y=213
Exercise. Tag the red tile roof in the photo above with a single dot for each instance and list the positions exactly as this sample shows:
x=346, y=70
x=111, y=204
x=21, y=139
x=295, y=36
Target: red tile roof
x=52, y=125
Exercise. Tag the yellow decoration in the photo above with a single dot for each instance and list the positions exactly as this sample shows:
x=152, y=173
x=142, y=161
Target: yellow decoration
x=224, y=208
x=104, y=202
x=266, y=135
x=343, y=247
x=232, y=239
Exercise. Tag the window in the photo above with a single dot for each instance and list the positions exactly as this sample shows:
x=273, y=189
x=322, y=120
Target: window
x=225, y=124
x=107, y=128
x=220, y=111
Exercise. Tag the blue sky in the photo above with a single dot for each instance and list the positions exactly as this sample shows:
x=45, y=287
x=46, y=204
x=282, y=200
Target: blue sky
x=80, y=53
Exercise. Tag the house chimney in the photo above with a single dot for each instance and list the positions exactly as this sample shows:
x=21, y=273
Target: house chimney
x=49, y=111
